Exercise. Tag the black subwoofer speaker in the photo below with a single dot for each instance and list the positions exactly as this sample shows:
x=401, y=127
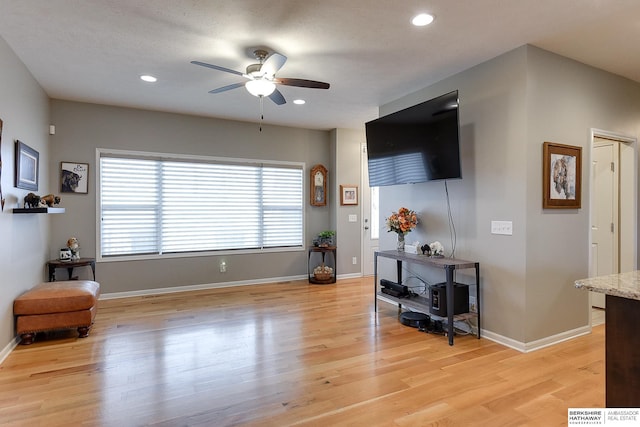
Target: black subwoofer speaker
x=438, y=299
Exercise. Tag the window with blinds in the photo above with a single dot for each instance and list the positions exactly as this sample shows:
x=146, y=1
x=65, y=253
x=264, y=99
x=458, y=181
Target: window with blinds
x=157, y=206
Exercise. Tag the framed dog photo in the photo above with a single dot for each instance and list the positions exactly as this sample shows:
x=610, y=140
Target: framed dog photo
x=74, y=177
x=561, y=173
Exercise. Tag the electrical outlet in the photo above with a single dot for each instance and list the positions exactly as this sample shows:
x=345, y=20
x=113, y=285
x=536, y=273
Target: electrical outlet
x=223, y=267
x=472, y=304
x=502, y=227
x=354, y=260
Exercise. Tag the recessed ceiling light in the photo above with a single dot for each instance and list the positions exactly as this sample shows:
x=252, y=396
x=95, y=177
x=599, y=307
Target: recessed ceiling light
x=422, y=19
x=148, y=78
x=299, y=101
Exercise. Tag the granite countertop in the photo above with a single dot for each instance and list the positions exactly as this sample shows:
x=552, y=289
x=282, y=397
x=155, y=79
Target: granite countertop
x=625, y=285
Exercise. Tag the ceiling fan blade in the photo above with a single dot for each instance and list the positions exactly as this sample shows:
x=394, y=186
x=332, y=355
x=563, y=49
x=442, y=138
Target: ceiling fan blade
x=226, y=88
x=217, y=67
x=272, y=64
x=302, y=83
x=277, y=97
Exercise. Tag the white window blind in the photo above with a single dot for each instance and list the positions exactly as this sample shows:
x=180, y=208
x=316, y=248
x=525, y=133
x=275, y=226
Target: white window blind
x=167, y=206
x=130, y=200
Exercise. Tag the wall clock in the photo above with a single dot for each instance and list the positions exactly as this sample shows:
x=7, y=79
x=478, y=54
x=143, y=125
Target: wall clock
x=318, y=193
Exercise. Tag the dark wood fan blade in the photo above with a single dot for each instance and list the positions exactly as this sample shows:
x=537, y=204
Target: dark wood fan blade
x=272, y=64
x=226, y=88
x=217, y=67
x=277, y=97
x=302, y=83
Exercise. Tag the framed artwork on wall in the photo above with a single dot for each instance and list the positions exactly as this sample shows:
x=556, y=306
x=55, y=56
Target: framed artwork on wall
x=318, y=190
x=348, y=195
x=74, y=177
x=27, y=163
x=561, y=176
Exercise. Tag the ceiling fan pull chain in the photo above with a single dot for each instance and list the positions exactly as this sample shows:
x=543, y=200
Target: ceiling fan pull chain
x=261, y=112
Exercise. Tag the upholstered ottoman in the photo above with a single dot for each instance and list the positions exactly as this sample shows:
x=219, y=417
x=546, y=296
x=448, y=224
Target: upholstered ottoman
x=56, y=305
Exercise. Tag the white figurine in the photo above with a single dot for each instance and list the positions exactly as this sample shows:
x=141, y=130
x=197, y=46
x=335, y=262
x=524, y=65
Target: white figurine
x=437, y=250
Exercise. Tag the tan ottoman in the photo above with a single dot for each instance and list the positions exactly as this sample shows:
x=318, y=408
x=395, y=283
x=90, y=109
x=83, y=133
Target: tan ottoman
x=56, y=305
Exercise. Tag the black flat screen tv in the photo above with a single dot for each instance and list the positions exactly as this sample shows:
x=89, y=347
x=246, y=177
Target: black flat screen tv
x=417, y=144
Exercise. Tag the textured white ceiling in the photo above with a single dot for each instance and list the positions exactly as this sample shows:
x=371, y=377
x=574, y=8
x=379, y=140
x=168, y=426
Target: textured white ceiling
x=94, y=50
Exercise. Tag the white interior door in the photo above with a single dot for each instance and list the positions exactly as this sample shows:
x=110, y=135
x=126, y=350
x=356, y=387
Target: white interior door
x=370, y=218
x=604, y=213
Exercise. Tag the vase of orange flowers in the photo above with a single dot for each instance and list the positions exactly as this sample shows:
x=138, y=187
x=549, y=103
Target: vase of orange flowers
x=401, y=223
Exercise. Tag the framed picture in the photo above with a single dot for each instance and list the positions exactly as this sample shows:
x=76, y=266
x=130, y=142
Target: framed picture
x=27, y=162
x=318, y=190
x=74, y=177
x=561, y=176
x=348, y=195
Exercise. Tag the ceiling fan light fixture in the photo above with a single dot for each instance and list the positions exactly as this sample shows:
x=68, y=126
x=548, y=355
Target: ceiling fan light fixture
x=260, y=87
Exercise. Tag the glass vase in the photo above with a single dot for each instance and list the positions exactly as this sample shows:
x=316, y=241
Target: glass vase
x=400, y=242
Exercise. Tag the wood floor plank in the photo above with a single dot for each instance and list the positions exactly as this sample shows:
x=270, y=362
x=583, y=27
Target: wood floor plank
x=286, y=354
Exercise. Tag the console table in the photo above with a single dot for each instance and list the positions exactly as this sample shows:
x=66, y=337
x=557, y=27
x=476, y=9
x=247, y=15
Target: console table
x=419, y=303
x=70, y=265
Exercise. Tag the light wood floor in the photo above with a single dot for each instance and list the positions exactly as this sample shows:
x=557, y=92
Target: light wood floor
x=288, y=354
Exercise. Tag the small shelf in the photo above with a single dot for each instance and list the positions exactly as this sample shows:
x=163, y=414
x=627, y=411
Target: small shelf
x=421, y=304
x=38, y=210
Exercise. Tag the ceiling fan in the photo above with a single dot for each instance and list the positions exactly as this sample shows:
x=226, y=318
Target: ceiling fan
x=262, y=78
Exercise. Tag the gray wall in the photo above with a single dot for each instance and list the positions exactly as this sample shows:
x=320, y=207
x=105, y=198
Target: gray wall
x=508, y=107
x=24, y=109
x=81, y=128
x=564, y=100
x=347, y=151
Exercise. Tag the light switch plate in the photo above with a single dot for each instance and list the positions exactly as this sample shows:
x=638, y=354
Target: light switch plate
x=502, y=227
x=353, y=218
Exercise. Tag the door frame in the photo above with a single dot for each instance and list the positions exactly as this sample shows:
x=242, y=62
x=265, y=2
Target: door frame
x=605, y=199
x=365, y=212
x=628, y=192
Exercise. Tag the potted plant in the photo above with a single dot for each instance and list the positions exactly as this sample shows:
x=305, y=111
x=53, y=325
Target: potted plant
x=325, y=238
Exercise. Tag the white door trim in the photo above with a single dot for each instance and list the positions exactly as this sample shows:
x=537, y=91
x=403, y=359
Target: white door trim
x=628, y=190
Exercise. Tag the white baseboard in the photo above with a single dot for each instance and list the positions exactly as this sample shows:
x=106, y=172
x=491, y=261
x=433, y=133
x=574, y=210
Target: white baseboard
x=6, y=351
x=159, y=291
x=349, y=276
x=538, y=344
